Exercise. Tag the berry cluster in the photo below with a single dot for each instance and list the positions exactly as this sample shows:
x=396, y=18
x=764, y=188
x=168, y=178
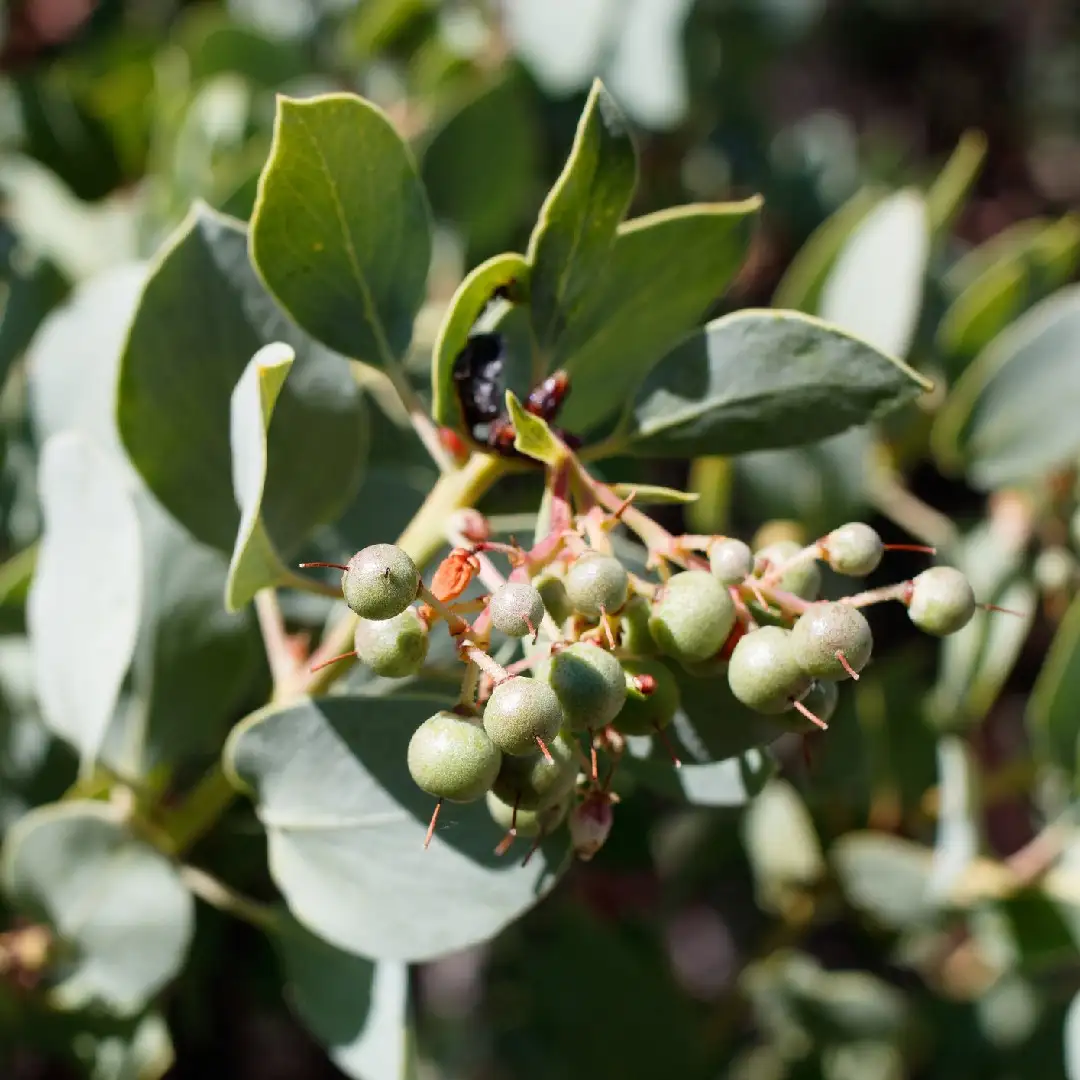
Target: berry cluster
x=526, y=737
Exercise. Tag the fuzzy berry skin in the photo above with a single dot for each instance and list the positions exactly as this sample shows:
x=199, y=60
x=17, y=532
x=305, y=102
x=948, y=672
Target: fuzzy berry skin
x=533, y=780
x=451, y=757
x=763, y=673
x=516, y=609
x=393, y=648
x=692, y=617
x=803, y=580
x=596, y=585
x=643, y=715
x=589, y=683
x=520, y=711
x=381, y=581
x=942, y=601
x=823, y=630
x=551, y=586
x=635, y=638
x=731, y=561
x=527, y=823
x=854, y=549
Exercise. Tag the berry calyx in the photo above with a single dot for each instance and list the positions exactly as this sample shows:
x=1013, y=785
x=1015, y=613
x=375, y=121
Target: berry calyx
x=535, y=780
x=941, y=601
x=763, y=673
x=832, y=641
x=597, y=585
x=452, y=758
x=394, y=648
x=731, y=561
x=380, y=581
x=853, y=549
x=644, y=714
x=692, y=617
x=516, y=609
x=589, y=684
x=522, y=714
x=802, y=580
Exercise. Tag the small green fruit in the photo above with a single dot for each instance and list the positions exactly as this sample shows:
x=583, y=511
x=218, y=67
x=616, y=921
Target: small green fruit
x=589, y=684
x=394, y=648
x=520, y=711
x=803, y=580
x=942, y=601
x=550, y=585
x=516, y=609
x=597, y=584
x=451, y=757
x=527, y=823
x=534, y=780
x=380, y=581
x=827, y=631
x=643, y=715
x=635, y=638
x=693, y=616
x=854, y=549
x=731, y=561
x=763, y=673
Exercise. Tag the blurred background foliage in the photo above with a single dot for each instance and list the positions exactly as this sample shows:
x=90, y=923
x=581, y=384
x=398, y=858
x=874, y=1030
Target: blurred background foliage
x=905, y=901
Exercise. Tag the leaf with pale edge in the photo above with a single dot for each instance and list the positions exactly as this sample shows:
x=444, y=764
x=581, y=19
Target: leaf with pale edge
x=532, y=436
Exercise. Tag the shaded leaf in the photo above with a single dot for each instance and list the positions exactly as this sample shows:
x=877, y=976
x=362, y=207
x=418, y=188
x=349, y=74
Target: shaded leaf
x=733, y=782
x=1072, y=1040
x=84, y=603
x=885, y=876
x=341, y=231
x=30, y=294
x=762, y=379
x=75, y=865
x=780, y=840
x=1052, y=715
x=346, y=825
x=355, y=1008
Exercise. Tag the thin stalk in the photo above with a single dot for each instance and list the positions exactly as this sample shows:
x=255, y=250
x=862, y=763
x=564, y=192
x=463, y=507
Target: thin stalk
x=279, y=654
x=219, y=895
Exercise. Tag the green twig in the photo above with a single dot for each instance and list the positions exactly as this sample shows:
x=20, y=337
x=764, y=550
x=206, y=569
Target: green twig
x=200, y=811
x=219, y=895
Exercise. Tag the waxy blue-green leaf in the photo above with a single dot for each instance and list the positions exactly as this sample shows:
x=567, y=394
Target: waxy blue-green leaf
x=202, y=316
x=576, y=228
x=757, y=380
x=886, y=877
x=341, y=232
x=345, y=824
x=85, y=599
x=663, y=273
x=119, y=908
x=780, y=840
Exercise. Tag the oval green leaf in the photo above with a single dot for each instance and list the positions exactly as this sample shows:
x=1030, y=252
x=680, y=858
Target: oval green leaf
x=346, y=826
x=341, y=232
x=532, y=436
x=886, y=877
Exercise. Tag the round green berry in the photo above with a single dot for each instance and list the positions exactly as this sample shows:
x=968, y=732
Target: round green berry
x=821, y=699
x=394, y=648
x=452, y=757
x=552, y=589
x=536, y=781
x=516, y=609
x=589, y=683
x=520, y=711
x=824, y=633
x=763, y=673
x=642, y=714
x=597, y=584
x=693, y=616
x=524, y=822
x=731, y=561
x=635, y=638
x=854, y=549
x=802, y=580
x=942, y=601
x=381, y=581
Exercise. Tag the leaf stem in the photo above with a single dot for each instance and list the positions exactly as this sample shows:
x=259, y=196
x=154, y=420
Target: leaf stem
x=279, y=653
x=200, y=811
x=219, y=895
x=423, y=425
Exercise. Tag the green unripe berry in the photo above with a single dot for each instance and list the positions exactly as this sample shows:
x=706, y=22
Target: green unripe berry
x=763, y=673
x=381, y=581
x=854, y=549
x=550, y=585
x=731, y=561
x=520, y=711
x=821, y=699
x=527, y=822
x=635, y=638
x=452, y=757
x=942, y=601
x=803, y=580
x=533, y=780
x=516, y=609
x=825, y=630
x=394, y=648
x=589, y=683
x=642, y=715
x=597, y=584
x=709, y=668
x=693, y=616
